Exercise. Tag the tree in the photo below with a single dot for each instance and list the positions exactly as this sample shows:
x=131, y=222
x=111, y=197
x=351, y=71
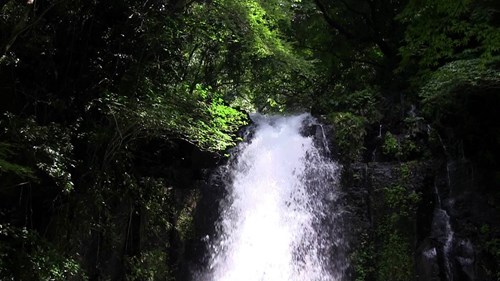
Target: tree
x=441, y=31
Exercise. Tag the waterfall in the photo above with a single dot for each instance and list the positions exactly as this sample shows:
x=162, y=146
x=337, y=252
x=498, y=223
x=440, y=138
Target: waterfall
x=442, y=231
x=447, y=255
x=281, y=218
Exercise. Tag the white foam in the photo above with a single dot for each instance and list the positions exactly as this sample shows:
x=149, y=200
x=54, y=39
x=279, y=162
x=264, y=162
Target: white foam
x=276, y=205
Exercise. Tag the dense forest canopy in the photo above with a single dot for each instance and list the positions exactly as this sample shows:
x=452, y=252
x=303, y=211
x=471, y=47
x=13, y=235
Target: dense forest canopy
x=92, y=89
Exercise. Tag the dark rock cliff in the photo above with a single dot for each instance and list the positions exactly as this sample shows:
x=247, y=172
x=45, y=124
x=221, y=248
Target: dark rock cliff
x=436, y=205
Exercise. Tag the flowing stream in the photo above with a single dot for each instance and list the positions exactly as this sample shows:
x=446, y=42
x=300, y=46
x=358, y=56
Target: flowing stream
x=281, y=218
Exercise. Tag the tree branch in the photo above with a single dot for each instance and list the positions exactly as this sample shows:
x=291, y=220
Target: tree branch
x=332, y=22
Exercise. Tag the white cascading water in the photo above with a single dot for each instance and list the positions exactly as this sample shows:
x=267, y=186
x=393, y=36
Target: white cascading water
x=278, y=222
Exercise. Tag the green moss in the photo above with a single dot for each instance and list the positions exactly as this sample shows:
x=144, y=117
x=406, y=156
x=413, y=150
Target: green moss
x=395, y=229
x=395, y=258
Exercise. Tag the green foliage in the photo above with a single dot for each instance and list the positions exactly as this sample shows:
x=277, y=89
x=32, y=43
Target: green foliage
x=350, y=113
x=400, y=148
x=185, y=218
x=156, y=200
x=354, y=42
x=445, y=30
x=349, y=133
x=266, y=37
x=363, y=258
x=149, y=266
x=39, y=260
x=400, y=201
x=242, y=51
x=391, y=145
x=47, y=148
x=48, y=264
x=199, y=115
x=398, y=196
x=90, y=90
x=440, y=90
x=363, y=103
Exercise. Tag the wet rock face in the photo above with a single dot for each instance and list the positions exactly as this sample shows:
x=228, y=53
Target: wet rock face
x=441, y=228
x=465, y=259
x=464, y=204
x=370, y=208
x=426, y=262
x=447, y=237
x=365, y=182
